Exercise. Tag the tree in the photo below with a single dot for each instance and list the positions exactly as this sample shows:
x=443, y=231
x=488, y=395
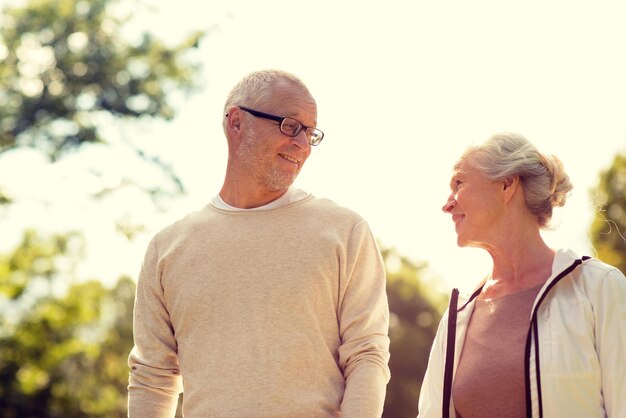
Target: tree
x=63, y=342
x=415, y=313
x=67, y=70
x=608, y=229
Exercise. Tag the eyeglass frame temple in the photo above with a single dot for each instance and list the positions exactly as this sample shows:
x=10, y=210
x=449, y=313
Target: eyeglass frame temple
x=279, y=119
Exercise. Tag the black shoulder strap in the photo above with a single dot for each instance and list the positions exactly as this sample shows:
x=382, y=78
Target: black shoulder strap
x=450, y=344
x=533, y=332
x=449, y=365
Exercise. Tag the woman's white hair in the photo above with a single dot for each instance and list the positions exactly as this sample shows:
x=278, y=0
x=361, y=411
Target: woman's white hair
x=543, y=177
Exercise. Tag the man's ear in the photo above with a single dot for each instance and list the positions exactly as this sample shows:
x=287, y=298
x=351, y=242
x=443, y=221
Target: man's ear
x=233, y=118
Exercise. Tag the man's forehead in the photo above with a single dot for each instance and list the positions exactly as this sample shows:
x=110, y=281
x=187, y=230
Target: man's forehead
x=290, y=92
x=292, y=103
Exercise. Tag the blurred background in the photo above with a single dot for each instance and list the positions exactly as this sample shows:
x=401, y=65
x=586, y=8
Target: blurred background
x=110, y=129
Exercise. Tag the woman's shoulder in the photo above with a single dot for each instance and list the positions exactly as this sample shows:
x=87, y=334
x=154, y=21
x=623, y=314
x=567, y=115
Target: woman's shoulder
x=595, y=275
x=589, y=264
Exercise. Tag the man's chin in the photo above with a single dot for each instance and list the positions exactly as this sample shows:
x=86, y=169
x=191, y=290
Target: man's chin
x=281, y=182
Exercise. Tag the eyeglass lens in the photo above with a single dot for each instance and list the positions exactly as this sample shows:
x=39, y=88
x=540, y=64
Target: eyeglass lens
x=292, y=127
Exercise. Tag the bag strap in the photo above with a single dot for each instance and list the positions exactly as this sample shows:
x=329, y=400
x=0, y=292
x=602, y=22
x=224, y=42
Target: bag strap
x=533, y=333
x=449, y=365
x=450, y=343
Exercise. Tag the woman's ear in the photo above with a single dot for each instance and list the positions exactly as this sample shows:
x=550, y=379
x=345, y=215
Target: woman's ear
x=510, y=186
x=508, y=182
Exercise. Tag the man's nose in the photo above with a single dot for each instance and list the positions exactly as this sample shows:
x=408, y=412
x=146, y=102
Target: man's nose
x=301, y=140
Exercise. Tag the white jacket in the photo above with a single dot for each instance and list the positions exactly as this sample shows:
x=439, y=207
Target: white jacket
x=581, y=326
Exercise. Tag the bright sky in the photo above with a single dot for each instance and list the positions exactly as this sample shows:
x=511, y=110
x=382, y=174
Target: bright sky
x=402, y=88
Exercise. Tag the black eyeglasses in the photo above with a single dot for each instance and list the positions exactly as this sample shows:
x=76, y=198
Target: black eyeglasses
x=289, y=126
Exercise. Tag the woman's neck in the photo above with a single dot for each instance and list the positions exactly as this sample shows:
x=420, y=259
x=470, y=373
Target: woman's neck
x=519, y=267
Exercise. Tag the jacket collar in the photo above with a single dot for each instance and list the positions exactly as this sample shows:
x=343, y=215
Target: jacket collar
x=562, y=260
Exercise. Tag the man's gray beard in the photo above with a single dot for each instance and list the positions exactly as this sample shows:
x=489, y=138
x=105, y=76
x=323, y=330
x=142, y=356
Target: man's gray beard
x=277, y=181
x=274, y=180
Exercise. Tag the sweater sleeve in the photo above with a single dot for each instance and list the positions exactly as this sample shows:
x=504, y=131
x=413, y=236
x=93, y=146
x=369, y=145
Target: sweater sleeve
x=155, y=382
x=363, y=314
x=610, y=328
x=431, y=393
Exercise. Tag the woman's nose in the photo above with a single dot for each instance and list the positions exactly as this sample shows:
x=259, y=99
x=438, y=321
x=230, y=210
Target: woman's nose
x=449, y=205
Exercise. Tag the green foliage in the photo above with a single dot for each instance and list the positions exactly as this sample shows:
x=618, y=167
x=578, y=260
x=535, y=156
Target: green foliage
x=67, y=70
x=415, y=313
x=33, y=261
x=608, y=230
x=64, y=64
x=4, y=199
x=63, y=354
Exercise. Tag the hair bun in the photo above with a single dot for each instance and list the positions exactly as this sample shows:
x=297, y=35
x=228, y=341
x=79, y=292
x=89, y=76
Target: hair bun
x=560, y=182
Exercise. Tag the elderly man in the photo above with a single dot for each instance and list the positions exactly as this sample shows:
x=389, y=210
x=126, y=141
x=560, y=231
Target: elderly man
x=268, y=302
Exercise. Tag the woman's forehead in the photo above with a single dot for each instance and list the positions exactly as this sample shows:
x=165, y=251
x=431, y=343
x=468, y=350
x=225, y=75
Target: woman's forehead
x=465, y=169
x=461, y=167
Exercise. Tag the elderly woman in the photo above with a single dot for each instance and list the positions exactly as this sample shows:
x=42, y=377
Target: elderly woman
x=544, y=335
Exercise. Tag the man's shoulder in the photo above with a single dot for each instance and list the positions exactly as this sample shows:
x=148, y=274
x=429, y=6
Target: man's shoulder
x=189, y=222
x=328, y=213
x=330, y=207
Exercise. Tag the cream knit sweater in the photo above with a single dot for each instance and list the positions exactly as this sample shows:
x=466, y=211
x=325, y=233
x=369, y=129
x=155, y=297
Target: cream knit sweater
x=277, y=313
